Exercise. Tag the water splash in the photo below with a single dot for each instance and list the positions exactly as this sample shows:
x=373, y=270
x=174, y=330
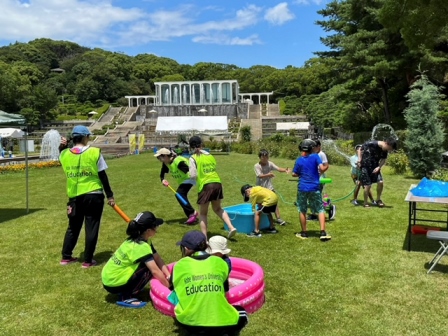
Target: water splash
x=50, y=146
x=383, y=131
x=331, y=143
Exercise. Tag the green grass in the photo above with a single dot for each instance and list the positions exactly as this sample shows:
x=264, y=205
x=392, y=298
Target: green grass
x=362, y=282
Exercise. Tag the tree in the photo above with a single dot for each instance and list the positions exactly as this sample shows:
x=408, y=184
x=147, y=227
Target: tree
x=425, y=133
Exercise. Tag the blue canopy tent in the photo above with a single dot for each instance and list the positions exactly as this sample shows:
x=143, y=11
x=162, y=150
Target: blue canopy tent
x=16, y=120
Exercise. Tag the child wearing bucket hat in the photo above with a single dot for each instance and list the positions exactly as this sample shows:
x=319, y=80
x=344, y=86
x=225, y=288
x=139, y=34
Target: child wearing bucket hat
x=217, y=246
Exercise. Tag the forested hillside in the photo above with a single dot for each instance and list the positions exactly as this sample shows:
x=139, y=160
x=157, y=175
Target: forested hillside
x=375, y=51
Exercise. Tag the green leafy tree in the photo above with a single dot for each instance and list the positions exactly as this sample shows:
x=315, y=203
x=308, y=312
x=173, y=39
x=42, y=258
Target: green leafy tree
x=425, y=133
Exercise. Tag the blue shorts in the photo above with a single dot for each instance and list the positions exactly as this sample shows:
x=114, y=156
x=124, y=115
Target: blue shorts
x=313, y=199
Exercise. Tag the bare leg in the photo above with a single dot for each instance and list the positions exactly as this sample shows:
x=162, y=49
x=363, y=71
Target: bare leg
x=303, y=221
x=216, y=206
x=203, y=212
x=257, y=216
x=277, y=212
x=271, y=221
x=379, y=190
x=322, y=220
x=358, y=186
x=366, y=193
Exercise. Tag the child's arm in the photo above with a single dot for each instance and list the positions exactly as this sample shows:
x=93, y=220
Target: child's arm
x=279, y=169
x=161, y=264
x=192, y=169
x=157, y=273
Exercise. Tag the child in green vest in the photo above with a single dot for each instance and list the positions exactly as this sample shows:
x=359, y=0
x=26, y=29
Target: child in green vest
x=200, y=281
x=203, y=169
x=135, y=262
x=178, y=167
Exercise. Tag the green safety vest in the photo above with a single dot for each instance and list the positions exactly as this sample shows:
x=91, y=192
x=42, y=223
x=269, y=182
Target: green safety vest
x=123, y=263
x=178, y=174
x=206, y=168
x=81, y=171
x=199, y=286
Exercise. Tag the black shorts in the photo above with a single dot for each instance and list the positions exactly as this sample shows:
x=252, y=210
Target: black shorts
x=269, y=209
x=210, y=192
x=368, y=177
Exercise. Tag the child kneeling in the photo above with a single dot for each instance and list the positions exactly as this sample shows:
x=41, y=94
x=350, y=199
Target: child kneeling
x=263, y=201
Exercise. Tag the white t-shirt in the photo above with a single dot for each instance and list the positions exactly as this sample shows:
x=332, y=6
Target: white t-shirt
x=263, y=170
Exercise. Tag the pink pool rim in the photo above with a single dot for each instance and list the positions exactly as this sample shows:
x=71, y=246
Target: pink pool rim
x=249, y=294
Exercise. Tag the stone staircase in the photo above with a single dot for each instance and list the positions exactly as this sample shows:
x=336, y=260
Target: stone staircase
x=269, y=124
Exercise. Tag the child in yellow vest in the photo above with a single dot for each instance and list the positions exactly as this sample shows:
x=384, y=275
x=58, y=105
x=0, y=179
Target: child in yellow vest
x=178, y=167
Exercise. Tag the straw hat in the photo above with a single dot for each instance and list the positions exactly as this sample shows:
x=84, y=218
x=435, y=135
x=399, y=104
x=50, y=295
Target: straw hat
x=217, y=244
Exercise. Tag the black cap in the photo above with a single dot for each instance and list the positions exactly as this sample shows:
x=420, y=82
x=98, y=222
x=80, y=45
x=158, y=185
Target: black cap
x=195, y=142
x=147, y=220
x=243, y=191
x=193, y=240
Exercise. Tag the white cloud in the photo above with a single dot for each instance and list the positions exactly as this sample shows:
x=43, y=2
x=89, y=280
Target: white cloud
x=227, y=40
x=279, y=14
x=101, y=23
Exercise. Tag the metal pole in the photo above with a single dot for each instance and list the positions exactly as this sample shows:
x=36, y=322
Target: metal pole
x=26, y=169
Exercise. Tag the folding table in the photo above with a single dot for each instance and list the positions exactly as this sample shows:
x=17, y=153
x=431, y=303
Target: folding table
x=414, y=211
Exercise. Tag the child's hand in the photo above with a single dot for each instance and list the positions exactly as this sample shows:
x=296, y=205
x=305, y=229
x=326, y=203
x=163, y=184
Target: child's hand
x=165, y=183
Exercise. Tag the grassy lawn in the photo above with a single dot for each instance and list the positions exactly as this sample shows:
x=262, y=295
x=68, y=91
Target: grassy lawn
x=362, y=282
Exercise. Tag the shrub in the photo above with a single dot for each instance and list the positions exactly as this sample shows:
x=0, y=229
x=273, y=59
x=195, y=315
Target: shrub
x=441, y=175
x=398, y=161
x=245, y=133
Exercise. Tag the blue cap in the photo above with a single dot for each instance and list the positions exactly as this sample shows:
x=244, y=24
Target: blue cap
x=80, y=130
x=193, y=240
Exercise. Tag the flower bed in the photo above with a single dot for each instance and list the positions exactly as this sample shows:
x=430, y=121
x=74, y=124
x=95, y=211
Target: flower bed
x=22, y=166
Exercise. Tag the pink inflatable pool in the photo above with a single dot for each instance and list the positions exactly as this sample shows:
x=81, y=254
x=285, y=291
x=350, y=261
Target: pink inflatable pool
x=246, y=281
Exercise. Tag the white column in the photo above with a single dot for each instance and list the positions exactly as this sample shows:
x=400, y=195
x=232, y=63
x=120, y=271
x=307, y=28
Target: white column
x=231, y=93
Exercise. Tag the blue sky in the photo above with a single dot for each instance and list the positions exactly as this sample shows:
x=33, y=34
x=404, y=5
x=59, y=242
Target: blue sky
x=262, y=32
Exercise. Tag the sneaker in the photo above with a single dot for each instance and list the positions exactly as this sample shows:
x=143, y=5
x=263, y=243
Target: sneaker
x=374, y=203
x=302, y=235
x=324, y=236
x=354, y=202
x=88, y=265
x=311, y=217
x=71, y=260
x=254, y=234
x=192, y=219
x=281, y=221
x=231, y=233
x=332, y=212
x=271, y=230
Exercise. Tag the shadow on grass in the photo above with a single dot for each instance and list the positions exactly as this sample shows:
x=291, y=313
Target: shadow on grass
x=176, y=221
x=438, y=268
x=142, y=296
x=419, y=243
x=10, y=214
x=100, y=258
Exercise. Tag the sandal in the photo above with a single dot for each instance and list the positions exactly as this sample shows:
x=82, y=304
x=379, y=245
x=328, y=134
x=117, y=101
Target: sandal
x=366, y=205
x=132, y=303
x=380, y=203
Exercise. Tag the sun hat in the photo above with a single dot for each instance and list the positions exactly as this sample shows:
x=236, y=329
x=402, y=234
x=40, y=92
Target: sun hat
x=162, y=151
x=243, y=191
x=80, y=130
x=147, y=220
x=194, y=240
x=217, y=244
